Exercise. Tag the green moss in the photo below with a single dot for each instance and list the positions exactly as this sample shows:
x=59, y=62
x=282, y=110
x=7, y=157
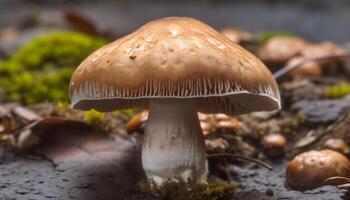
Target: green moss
x=338, y=91
x=57, y=49
x=126, y=112
x=94, y=117
x=62, y=106
x=265, y=36
x=41, y=70
x=31, y=87
x=185, y=191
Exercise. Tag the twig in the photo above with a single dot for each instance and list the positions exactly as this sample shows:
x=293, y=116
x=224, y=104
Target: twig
x=284, y=70
x=25, y=126
x=336, y=178
x=261, y=163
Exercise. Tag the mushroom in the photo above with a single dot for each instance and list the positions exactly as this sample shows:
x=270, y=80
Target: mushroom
x=279, y=49
x=337, y=144
x=227, y=123
x=237, y=36
x=243, y=38
x=310, y=169
x=274, y=145
x=325, y=49
x=174, y=66
x=322, y=49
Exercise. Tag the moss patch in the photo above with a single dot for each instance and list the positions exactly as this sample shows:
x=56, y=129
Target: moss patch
x=41, y=70
x=338, y=91
x=265, y=36
x=94, y=117
x=185, y=191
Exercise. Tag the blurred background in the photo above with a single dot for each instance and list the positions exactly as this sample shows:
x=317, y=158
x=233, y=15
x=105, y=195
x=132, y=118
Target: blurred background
x=314, y=19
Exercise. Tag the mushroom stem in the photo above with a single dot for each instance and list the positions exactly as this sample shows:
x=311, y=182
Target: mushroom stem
x=173, y=145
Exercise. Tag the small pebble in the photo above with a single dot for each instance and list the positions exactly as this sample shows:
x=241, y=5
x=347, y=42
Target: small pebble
x=269, y=192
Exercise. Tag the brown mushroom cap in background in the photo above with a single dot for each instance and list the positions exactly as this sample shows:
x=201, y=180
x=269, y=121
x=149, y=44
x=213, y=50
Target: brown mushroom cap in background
x=275, y=141
x=236, y=35
x=322, y=49
x=337, y=144
x=273, y=145
x=309, y=170
x=175, y=57
x=280, y=49
x=306, y=69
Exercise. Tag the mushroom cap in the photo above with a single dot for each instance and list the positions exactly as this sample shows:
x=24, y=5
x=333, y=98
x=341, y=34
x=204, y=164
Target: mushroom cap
x=337, y=144
x=276, y=141
x=322, y=49
x=309, y=170
x=175, y=57
x=237, y=36
x=280, y=49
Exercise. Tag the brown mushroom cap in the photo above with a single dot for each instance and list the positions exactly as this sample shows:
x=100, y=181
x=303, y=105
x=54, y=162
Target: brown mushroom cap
x=174, y=57
x=309, y=170
x=280, y=49
x=324, y=48
x=276, y=141
x=273, y=145
x=236, y=35
x=337, y=144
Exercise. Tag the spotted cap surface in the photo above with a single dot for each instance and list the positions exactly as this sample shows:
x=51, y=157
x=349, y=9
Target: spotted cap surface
x=175, y=57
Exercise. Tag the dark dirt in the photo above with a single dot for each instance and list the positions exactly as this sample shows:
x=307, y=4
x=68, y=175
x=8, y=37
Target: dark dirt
x=87, y=166
x=273, y=182
x=323, y=111
x=106, y=167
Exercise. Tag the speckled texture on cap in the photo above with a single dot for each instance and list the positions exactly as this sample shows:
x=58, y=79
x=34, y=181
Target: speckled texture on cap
x=174, y=57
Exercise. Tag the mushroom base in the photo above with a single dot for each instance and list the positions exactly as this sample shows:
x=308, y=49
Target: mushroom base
x=173, y=143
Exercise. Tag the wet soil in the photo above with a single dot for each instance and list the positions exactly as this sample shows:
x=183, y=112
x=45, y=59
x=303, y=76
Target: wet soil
x=272, y=184
x=113, y=172
x=112, y=175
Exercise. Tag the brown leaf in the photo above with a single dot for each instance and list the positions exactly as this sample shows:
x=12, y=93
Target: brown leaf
x=80, y=23
x=25, y=114
x=135, y=122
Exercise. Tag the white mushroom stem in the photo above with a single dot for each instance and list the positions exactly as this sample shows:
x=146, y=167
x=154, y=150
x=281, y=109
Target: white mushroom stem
x=173, y=145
